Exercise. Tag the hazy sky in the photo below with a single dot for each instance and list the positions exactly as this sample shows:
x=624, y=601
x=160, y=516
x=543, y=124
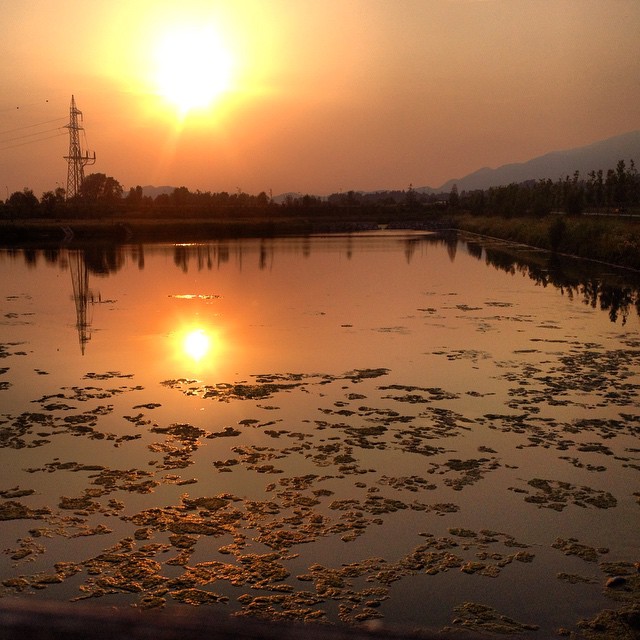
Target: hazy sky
x=314, y=96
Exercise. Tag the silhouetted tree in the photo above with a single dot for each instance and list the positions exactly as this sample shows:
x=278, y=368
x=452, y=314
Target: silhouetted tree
x=135, y=196
x=620, y=189
x=23, y=204
x=411, y=198
x=573, y=194
x=100, y=187
x=52, y=202
x=454, y=197
x=262, y=200
x=180, y=196
x=595, y=189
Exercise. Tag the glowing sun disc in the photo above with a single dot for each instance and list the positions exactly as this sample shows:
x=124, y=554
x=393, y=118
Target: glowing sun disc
x=197, y=344
x=192, y=67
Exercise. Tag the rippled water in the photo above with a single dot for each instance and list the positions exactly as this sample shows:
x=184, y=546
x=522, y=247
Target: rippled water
x=345, y=428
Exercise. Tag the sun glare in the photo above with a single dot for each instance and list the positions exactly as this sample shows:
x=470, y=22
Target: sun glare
x=197, y=344
x=193, y=68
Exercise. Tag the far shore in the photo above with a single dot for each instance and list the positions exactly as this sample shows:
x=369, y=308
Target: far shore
x=610, y=239
x=197, y=229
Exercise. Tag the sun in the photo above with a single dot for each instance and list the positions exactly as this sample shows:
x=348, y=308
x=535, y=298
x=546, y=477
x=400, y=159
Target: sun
x=193, y=68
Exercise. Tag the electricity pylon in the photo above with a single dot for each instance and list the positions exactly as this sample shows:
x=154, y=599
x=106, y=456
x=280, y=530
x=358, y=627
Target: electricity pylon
x=76, y=161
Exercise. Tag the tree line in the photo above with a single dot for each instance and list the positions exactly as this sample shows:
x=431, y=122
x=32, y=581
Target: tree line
x=615, y=190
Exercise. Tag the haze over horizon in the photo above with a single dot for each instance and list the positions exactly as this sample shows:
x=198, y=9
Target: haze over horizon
x=310, y=96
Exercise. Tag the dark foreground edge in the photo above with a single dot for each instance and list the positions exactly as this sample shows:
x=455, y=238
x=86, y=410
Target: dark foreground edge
x=25, y=619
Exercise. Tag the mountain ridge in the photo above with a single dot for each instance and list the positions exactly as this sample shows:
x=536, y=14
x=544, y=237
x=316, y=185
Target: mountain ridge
x=603, y=154
x=555, y=165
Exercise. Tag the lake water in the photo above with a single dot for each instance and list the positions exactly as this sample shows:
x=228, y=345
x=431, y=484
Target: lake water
x=399, y=427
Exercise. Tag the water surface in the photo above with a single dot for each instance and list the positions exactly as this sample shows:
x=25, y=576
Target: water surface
x=422, y=429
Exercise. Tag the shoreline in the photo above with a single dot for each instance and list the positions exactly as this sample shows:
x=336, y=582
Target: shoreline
x=613, y=241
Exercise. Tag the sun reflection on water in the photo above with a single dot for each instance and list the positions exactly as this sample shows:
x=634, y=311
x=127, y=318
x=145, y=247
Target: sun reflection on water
x=197, y=344
x=196, y=348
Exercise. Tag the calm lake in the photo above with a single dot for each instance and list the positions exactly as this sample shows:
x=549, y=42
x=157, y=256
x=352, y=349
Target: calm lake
x=396, y=426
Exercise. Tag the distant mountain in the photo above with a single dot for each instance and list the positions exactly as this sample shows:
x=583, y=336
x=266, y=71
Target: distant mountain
x=555, y=165
x=604, y=155
x=152, y=191
x=282, y=197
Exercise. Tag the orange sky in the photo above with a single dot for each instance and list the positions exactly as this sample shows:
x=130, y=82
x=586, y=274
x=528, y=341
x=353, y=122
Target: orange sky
x=319, y=95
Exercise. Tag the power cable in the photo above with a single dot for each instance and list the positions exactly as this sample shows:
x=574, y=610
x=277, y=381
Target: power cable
x=30, y=126
x=21, y=144
x=30, y=135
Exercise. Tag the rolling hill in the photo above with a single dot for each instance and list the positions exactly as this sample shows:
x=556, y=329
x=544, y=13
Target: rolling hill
x=604, y=155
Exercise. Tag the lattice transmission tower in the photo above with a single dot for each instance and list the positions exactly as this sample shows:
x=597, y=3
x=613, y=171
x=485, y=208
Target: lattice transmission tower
x=76, y=160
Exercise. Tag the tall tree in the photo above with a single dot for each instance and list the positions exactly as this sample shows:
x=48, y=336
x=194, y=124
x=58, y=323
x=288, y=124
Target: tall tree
x=23, y=203
x=100, y=187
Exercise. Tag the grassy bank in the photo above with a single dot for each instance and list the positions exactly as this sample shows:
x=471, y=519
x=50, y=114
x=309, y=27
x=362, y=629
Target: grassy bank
x=608, y=239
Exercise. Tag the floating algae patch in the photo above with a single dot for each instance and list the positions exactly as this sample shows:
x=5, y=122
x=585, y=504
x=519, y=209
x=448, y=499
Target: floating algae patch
x=197, y=597
x=265, y=386
x=181, y=442
x=226, y=391
x=21, y=431
x=7, y=349
x=588, y=377
x=619, y=624
x=14, y=510
x=195, y=296
x=556, y=494
x=469, y=471
x=571, y=547
x=107, y=481
x=16, y=492
x=473, y=616
x=622, y=583
x=108, y=375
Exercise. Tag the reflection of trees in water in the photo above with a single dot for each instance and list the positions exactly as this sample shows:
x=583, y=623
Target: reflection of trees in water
x=410, y=246
x=102, y=260
x=208, y=256
x=475, y=250
x=584, y=281
x=51, y=255
x=448, y=239
x=137, y=254
x=98, y=259
x=616, y=295
x=452, y=248
x=615, y=300
x=31, y=257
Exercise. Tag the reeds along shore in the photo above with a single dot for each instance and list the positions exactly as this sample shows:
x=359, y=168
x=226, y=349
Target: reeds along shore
x=611, y=239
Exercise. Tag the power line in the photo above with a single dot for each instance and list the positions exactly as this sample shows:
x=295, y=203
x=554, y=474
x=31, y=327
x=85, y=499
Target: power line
x=31, y=135
x=21, y=144
x=30, y=126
